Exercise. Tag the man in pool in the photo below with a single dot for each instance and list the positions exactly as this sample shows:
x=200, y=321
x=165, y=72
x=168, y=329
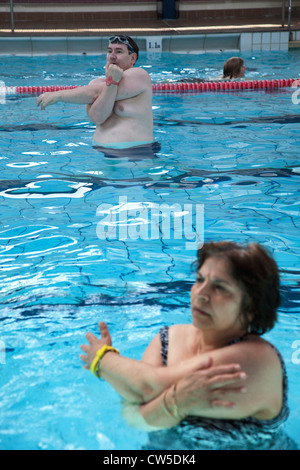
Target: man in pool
x=120, y=103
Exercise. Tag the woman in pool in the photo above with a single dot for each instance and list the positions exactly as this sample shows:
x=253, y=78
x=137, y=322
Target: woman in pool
x=233, y=68
x=216, y=377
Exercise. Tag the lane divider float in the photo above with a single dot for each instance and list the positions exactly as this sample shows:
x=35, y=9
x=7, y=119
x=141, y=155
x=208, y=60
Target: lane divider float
x=176, y=87
x=223, y=86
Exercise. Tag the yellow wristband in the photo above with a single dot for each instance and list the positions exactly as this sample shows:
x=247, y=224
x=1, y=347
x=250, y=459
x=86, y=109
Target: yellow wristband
x=99, y=354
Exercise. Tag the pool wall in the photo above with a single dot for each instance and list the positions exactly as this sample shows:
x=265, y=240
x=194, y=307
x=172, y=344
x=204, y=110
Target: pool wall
x=200, y=43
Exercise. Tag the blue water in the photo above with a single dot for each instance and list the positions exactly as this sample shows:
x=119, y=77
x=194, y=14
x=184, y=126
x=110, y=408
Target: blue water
x=235, y=153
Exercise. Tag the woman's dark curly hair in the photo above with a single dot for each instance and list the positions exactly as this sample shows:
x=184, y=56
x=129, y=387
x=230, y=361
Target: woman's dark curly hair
x=255, y=270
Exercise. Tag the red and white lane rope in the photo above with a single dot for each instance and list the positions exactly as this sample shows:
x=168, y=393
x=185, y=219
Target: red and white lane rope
x=226, y=85
x=171, y=87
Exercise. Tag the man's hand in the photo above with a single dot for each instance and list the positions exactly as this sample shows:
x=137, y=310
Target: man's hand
x=114, y=71
x=46, y=99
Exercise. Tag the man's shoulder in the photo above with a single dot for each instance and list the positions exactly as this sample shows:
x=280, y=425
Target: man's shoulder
x=139, y=78
x=136, y=71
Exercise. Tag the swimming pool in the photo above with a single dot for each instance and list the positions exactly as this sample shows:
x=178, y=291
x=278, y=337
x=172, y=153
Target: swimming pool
x=234, y=153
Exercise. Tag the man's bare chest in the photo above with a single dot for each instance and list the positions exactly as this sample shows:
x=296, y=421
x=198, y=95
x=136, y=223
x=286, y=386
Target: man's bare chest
x=130, y=107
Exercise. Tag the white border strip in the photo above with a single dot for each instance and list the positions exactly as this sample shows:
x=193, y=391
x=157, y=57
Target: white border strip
x=193, y=6
x=66, y=8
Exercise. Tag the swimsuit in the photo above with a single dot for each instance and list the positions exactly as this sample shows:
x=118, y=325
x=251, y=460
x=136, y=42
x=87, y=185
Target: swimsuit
x=195, y=432
x=122, y=145
x=134, y=151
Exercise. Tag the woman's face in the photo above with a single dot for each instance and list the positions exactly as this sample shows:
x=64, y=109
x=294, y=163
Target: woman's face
x=241, y=72
x=216, y=299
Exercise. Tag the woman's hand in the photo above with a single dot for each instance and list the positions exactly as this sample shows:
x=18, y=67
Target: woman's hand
x=209, y=388
x=95, y=344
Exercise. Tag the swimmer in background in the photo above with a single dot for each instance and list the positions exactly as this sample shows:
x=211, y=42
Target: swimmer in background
x=233, y=68
x=120, y=103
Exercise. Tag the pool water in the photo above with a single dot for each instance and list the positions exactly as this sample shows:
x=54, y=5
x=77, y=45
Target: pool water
x=233, y=154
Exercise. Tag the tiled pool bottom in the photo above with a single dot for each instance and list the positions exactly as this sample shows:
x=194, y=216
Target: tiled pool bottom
x=190, y=43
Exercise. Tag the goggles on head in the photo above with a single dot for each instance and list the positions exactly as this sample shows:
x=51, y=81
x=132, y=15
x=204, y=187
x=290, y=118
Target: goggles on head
x=122, y=40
